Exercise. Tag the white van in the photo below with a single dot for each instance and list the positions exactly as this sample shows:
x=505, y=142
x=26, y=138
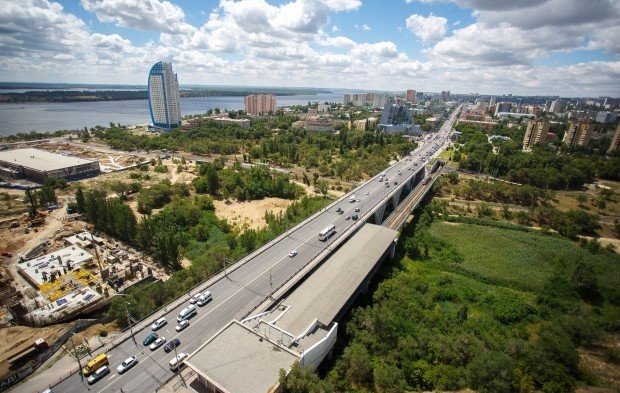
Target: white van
x=204, y=298
x=187, y=313
x=176, y=361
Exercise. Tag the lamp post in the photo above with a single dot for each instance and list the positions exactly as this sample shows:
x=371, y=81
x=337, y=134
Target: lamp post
x=77, y=357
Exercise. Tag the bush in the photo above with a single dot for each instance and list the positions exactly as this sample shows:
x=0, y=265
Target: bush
x=161, y=168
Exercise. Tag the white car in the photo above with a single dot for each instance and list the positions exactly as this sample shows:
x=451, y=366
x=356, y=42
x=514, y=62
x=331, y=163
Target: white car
x=157, y=343
x=182, y=325
x=195, y=298
x=127, y=364
x=292, y=253
x=204, y=298
x=158, y=324
x=174, y=363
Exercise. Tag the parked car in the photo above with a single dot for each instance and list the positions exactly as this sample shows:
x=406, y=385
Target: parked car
x=149, y=339
x=182, y=325
x=127, y=364
x=98, y=374
x=158, y=324
x=157, y=343
x=172, y=345
x=204, y=298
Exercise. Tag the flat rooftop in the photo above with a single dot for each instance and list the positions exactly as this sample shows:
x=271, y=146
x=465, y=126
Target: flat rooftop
x=45, y=264
x=322, y=295
x=238, y=359
x=40, y=160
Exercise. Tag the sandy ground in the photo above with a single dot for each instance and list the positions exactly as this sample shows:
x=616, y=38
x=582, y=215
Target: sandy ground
x=249, y=214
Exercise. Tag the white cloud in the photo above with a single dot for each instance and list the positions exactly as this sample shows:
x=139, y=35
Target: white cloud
x=342, y=5
x=335, y=29
x=159, y=15
x=431, y=28
x=364, y=27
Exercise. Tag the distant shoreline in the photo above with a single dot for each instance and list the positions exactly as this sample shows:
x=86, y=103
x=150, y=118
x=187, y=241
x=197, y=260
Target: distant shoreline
x=48, y=96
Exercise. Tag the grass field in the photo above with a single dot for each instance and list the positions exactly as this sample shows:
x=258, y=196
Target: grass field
x=521, y=260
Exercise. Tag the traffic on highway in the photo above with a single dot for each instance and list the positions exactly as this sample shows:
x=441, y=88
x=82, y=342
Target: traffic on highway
x=157, y=348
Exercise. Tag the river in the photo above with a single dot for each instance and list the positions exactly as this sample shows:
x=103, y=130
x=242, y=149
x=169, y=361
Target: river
x=26, y=117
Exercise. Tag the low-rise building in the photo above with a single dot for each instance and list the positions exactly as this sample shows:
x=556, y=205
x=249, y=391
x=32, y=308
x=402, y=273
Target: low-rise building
x=38, y=165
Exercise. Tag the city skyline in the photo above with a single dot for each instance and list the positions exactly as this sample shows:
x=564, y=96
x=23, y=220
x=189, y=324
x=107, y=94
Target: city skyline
x=550, y=47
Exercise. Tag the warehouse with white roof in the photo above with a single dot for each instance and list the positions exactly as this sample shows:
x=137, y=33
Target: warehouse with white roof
x=38, y=165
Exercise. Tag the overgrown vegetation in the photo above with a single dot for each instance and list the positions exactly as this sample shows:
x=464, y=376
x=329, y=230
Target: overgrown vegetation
x=245, y=184
x=471, y=306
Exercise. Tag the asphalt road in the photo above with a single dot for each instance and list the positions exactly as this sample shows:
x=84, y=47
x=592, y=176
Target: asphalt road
x=247, y=286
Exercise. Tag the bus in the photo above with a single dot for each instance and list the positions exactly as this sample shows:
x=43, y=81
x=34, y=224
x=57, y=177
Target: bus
x=95, y=363
x=327, y=232
x=426, y=180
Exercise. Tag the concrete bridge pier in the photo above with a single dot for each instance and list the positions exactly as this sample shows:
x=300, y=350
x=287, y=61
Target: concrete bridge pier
x=379, y=214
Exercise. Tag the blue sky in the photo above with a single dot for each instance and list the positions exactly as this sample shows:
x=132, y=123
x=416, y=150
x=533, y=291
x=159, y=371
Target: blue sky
x=564, y=47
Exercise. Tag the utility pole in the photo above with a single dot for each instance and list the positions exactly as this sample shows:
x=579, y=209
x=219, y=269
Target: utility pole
x=77, y=357
x=179, y=366
x=130, y=326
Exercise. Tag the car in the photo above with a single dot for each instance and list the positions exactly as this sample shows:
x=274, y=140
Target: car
x=339, y=210
x=149, y=339
x=195, y=298
x=176, y=361
x=354, y=217
x=352, y=199
x=158, y=324
x=366, y=193
x=357, y=209
x=395, y=182
x=97, y=375
x=348, y=217
x=182, y=325
x=387, y=180
x=387, y=185
x=205, y=298
x=127, y=364
x=172, y=345
x=381, y=179
x=157, y=343
x=187, y=313
x=292, y=253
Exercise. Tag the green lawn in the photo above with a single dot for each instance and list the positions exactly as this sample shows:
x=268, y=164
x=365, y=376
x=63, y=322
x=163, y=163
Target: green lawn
x=521, y=260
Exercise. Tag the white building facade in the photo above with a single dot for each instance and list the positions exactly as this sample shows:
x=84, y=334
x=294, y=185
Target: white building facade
x=164, y=96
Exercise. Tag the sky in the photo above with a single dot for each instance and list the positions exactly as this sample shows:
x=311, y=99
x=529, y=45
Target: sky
x=530, y=47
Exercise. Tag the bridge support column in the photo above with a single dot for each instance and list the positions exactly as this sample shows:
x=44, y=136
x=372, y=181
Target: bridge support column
x=393, y=249
x=396, y=197
x=379, y=214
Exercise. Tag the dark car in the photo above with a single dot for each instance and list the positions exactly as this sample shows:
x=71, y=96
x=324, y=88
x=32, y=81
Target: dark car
x=149, y=339
x=354, y=217
x=339, y=210
x=172, y=344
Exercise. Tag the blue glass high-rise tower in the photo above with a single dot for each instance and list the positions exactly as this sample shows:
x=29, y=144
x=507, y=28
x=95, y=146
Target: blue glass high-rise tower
x=164, y=97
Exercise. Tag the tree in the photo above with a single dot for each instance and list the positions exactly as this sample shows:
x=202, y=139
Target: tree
x=79, y=199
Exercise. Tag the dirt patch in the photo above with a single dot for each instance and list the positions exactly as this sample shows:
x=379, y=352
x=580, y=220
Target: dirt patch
x=595, y=361
x=249, y=214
